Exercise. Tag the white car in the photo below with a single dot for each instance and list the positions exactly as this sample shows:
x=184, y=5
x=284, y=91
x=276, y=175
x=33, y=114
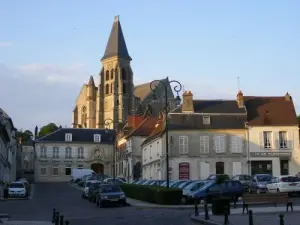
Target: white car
x=17, y=189
x=285, y=183
x=113, y=181
x=86, y=187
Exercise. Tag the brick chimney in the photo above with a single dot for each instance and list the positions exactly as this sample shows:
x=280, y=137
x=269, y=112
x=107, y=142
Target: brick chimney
x=187, y=102
x=288, y=97
x=240, y=99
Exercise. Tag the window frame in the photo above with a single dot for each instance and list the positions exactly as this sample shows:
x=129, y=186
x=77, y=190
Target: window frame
x=204, y=144
x=236, y=142
x=55, y=152
x=206, y=120
x=218, y=143
x=68, y=167
x=68, y=155
x=46, y=171
x=97, y=138
x=183, y=147
x=266, y=139
x=68, y=137
x=52, y=169
x=285, y=146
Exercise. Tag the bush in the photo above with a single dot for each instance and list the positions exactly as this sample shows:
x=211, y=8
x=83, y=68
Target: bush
x=220, y=205
x=157, y=195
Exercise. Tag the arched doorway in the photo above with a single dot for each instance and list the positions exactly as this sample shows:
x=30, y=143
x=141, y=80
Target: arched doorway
x=98, y=168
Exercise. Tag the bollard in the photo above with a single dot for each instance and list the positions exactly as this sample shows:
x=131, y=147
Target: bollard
x=53, y=215
x=67, y=222
x=206, y=211
x=61, y=220
x=281, y=219
x=250, y=217
x=57, y=218
x=226, y=222
x=196, y=208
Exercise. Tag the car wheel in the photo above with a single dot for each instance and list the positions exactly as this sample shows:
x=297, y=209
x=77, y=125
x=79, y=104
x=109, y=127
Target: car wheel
x=184, y=200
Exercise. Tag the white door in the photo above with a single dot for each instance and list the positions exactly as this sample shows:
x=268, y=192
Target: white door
x=236, y=168
x=204, y=170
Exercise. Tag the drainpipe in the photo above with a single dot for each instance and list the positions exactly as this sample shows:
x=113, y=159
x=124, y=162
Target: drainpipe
x=248, y=150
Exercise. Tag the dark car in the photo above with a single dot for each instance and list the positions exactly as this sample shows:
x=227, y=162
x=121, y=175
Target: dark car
x=93, y=191
x=110, y=194
x=230, y=188
x=259, y=183
x=215, y=176
x=246, y=180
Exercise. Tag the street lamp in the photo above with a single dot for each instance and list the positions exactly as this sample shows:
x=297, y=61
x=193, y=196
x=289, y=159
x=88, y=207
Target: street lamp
x=107, y=123
x=177, y=88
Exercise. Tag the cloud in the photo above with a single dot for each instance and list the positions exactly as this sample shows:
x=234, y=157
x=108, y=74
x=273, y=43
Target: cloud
x=36, y=94
x=4, y=44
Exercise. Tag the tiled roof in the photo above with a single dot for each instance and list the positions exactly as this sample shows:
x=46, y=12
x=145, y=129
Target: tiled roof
x=270, y=111
x=157, y=130
x=80, y=135
x=141, y=91
x=145, y=127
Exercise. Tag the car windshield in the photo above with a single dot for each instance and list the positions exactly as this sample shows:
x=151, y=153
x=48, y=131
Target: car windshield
x=96, y=185
x=16, y=185
x=183, y=185
x=107, y=189
x=245, y=177
x=262, y=178
x=190, y=185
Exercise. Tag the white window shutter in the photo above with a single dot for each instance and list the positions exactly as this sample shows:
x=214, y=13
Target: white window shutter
x=223, y=143
x=275, y=140
x=261, y=140
x=290, y=140
x=241, y=144
x=49, y=152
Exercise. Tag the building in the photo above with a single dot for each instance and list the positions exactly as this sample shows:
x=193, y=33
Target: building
x=66, y=148
x=8, y=148
x=273, y=135
x=129, y=154
x=116, y=97
x=205, y=137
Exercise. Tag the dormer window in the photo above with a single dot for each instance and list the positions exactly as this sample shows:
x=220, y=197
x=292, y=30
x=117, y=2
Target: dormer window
x=97, y=138
x=68, y=137
x=206, y=120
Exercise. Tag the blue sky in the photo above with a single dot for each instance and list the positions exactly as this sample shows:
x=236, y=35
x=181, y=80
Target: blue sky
x=205, y=45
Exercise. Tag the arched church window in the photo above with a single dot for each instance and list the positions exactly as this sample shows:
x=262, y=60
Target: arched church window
x=111, y=88
x=107, y=75
x=83, y=116
x=124, y=75
x=107, y=89
x=112, y=74
x=124, y=89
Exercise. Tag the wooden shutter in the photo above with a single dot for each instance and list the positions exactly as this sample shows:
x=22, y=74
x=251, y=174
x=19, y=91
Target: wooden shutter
x=261, y=140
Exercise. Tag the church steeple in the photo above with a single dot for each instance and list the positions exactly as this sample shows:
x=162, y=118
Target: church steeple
x=116, y=45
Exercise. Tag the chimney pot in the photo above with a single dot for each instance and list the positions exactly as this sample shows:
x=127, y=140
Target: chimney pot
x=240, y=99
x=187, y=102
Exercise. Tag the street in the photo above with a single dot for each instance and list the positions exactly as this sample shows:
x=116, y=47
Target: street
x=78, y=211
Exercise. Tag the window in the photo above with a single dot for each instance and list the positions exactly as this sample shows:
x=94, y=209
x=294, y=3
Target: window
x=206, y=120
x=220, y=168
x=124, y=77
x=267, y=139
x=282, y=139
x=157, y=148
x=43, y=171
x=55, y=154
x=124, y=89
x=80, y=166
x=107, y=75
x=68, y=153
x=68, y=137
x=219, y=142
x=111, y=88
x=112, y=74
x=204, y=144
x=183, y=145
x=236, y=144
x=80, y=153
x=55, y=171
x=97, y=138
x=68, y=171
x=107, y=89
x=43, y=153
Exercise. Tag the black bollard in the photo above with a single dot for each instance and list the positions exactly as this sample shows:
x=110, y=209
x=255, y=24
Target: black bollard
x=57, y=218
x=226, y=222
x=206, y=211
x=61, y=220
x=53, y=215
x=196, y=208
x=67, y=222
x=281, y=219
x=250, y=217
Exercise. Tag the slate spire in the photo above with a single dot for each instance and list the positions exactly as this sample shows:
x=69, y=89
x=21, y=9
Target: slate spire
x=116, y=45
x=91, y=81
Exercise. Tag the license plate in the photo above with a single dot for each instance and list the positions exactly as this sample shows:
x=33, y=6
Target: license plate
x=114, y=200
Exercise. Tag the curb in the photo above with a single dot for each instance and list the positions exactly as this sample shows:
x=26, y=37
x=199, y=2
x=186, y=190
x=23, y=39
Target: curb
x=203, y=221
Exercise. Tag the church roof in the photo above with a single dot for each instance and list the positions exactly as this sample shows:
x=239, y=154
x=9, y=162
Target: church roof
x=116, y=45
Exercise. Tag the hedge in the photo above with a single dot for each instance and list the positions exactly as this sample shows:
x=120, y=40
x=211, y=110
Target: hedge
x=152, y=194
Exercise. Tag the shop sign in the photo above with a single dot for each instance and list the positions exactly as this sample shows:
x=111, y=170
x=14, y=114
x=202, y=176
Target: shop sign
x=184, y=171
x=270, y=154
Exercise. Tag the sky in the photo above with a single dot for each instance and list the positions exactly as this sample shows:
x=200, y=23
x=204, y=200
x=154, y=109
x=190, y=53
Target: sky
x=48, y=49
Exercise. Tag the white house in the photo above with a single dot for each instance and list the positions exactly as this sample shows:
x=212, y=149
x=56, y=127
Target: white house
x=66, y=148
x=273, y=135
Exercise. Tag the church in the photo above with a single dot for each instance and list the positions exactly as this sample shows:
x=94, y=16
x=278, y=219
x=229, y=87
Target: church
x=110, y=102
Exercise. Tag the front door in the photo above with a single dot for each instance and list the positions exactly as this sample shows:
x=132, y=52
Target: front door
x=98, y=168
x=284, y=167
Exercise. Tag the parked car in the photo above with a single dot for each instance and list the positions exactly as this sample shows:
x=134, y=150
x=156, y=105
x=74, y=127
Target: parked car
x=155, y=183
x=244, y=179
x=164, y=184
x=113, y=181
x=87, y=186
x=230, y=188
x=17, y=189
x=186, y=183
x=93, y=191
x=110, y=194
x=188, y=190
x=215, y=176
x=177, y=183
x=286, y=183
x=259, y=183
x=27, y=185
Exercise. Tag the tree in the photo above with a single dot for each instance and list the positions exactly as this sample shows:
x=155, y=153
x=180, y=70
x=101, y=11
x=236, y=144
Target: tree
x=47, y=129
x=25, y=135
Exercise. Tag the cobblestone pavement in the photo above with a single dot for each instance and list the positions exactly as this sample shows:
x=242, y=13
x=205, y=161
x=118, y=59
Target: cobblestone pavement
x=79, y=211
x=260, y=219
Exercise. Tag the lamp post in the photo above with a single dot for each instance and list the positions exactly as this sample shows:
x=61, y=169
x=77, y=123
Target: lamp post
x=177, y=88
x=107, y=123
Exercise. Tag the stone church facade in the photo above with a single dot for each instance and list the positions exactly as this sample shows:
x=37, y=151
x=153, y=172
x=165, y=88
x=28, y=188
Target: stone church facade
x=116, y=97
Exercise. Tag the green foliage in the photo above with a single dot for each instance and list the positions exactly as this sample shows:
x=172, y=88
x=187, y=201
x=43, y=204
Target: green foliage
x=220, y=205
x=25, y=135
x=157, y=195
x=49, y=128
